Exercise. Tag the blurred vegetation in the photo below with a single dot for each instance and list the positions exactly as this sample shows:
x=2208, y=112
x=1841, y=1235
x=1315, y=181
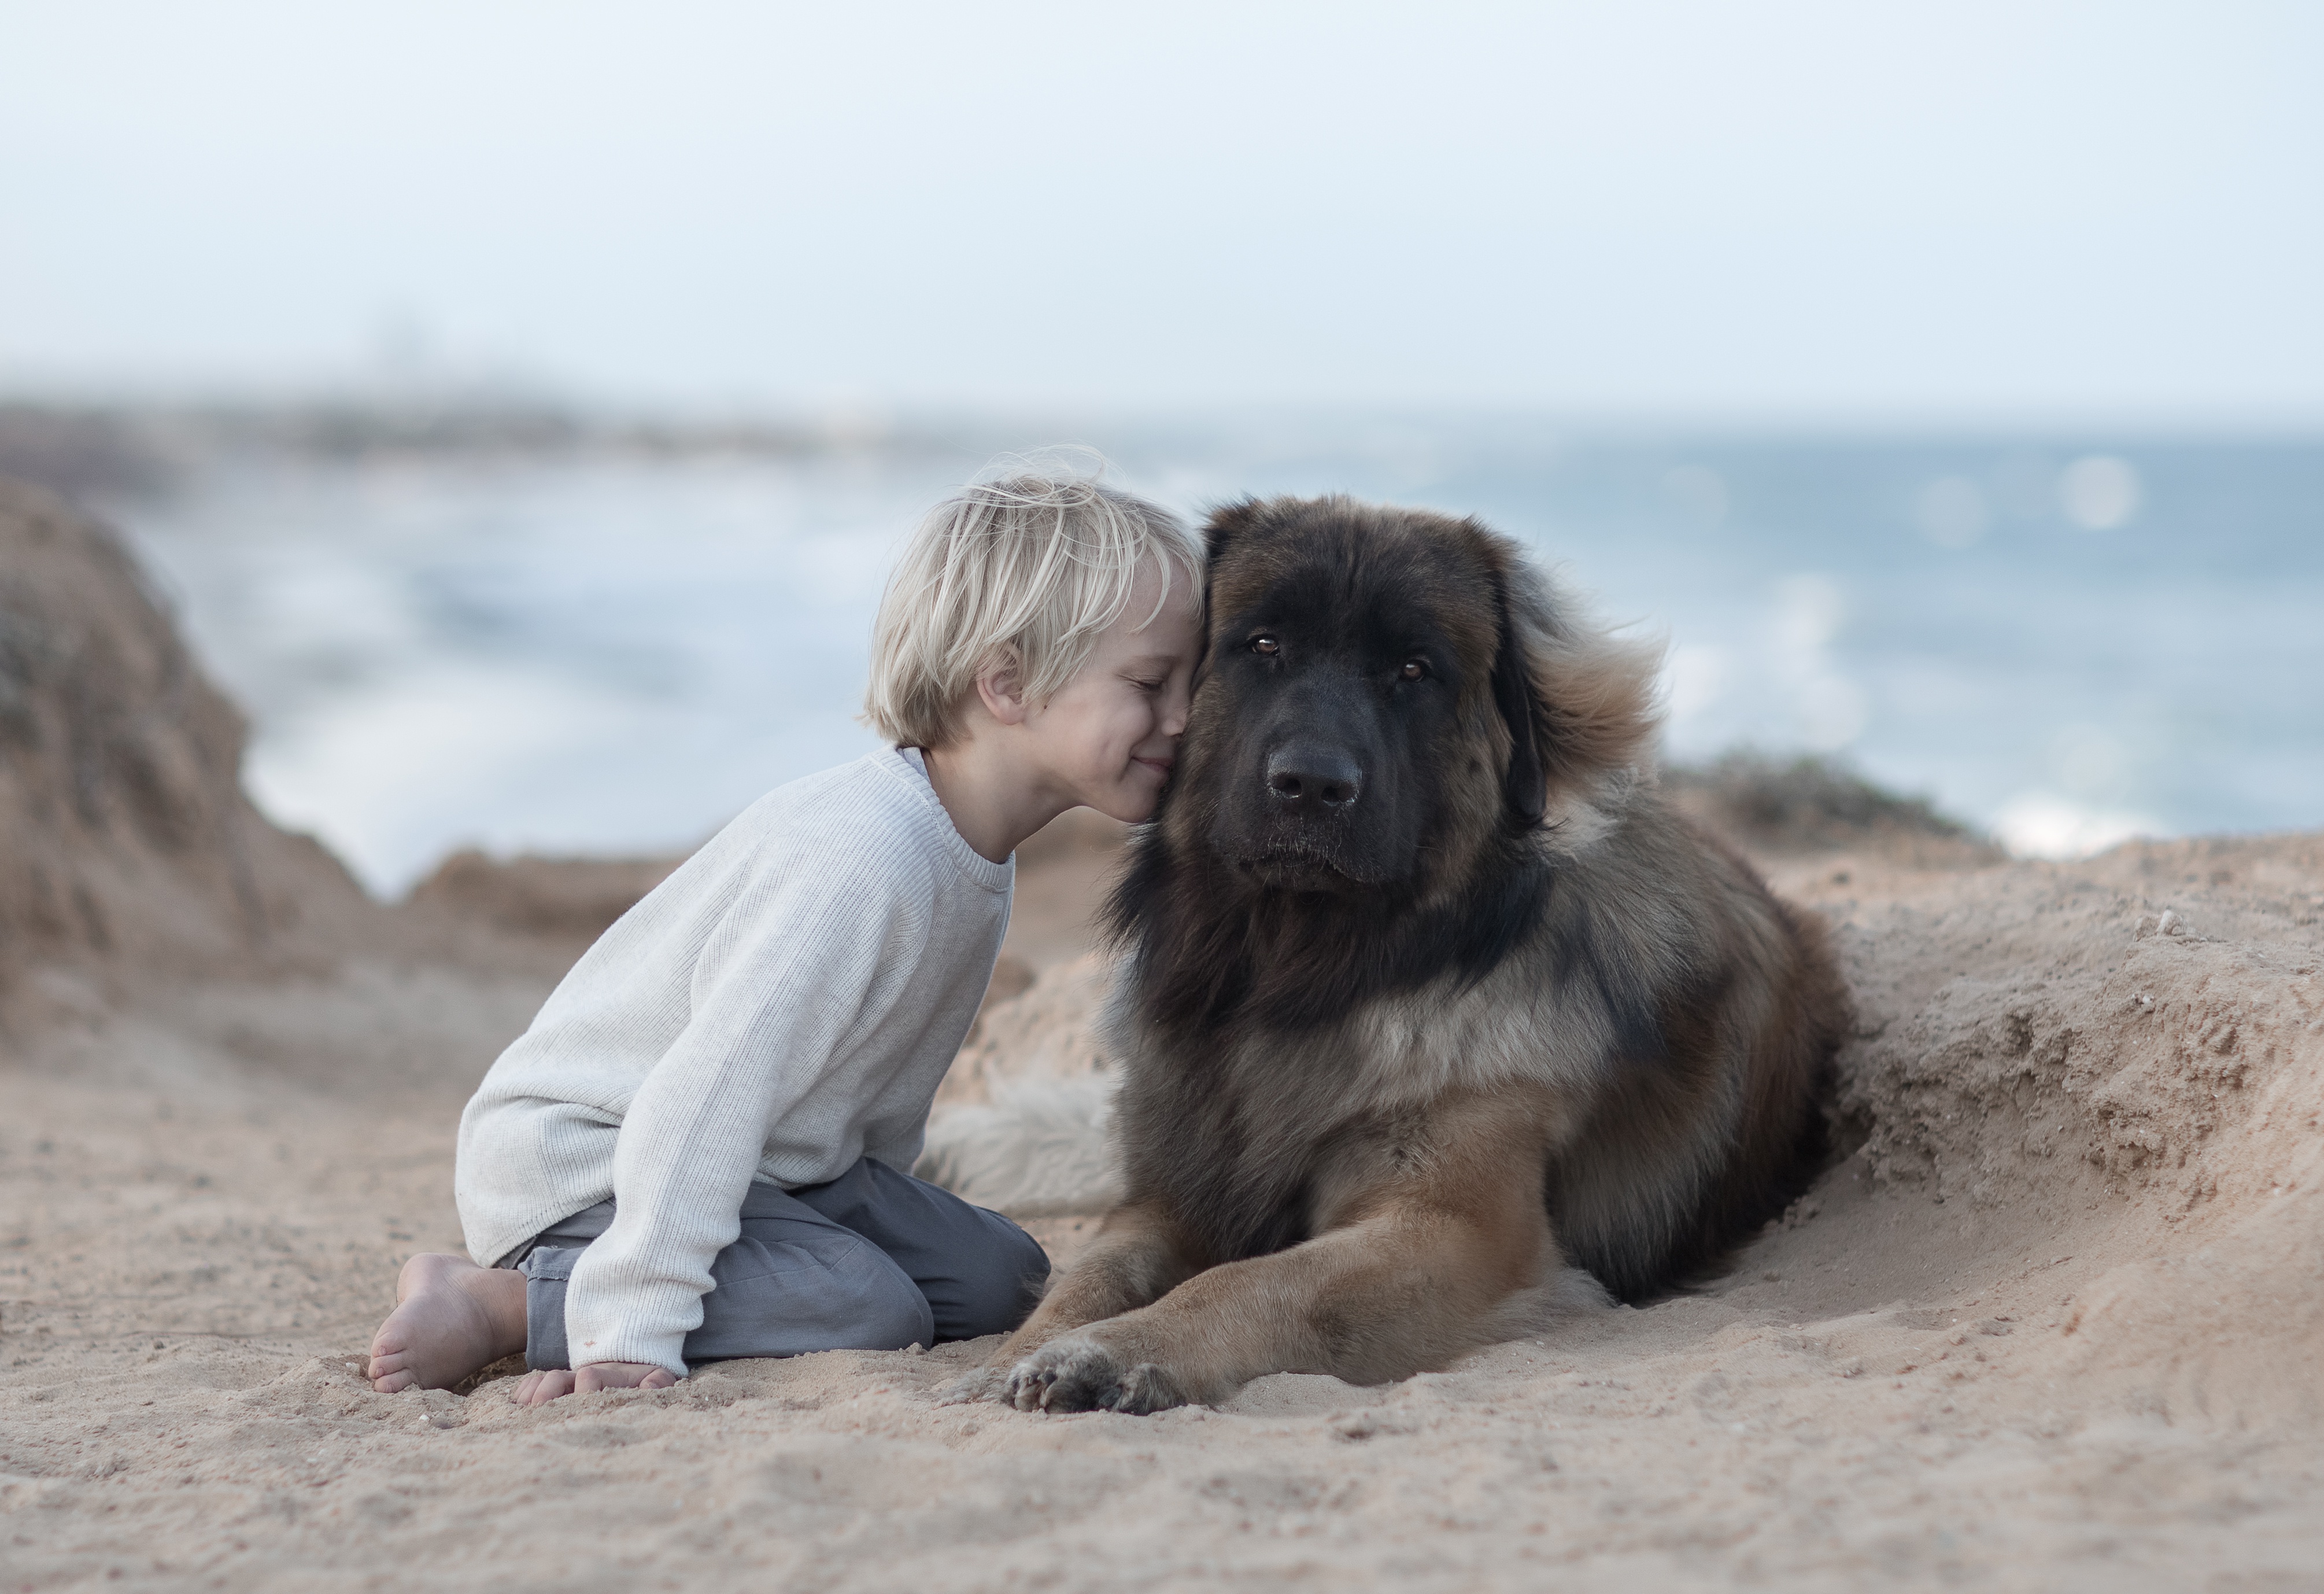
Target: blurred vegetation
x=1809, y=804
x=85, y=450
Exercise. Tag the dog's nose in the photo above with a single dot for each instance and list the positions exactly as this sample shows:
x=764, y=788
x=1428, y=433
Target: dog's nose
x=1313, y=780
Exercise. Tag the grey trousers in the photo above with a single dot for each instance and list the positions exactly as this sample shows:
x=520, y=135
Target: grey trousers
x=875, y=1260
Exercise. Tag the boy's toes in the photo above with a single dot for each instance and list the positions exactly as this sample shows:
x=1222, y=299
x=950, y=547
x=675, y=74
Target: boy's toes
x=439, y=1332
x=391, y=1379
x=389, y=1369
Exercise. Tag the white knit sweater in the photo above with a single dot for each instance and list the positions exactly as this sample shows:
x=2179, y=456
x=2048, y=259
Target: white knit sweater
x=784, y=1003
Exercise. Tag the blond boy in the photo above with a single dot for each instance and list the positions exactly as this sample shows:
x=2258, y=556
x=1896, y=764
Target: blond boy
x=701, y=1148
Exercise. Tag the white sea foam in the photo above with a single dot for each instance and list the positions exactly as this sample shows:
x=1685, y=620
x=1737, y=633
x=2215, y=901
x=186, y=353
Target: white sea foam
x=2042, y=824
x=2099, y=492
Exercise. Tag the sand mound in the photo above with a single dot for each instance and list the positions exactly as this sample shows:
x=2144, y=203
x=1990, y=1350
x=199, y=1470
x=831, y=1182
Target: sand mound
x=2127, y=1055
x=2053, y=1318
x=127, y=848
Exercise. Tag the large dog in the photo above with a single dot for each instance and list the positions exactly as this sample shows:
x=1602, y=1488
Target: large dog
x=1427, y=995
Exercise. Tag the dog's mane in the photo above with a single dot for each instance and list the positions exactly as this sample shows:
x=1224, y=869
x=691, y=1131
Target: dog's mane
x=1206, y=951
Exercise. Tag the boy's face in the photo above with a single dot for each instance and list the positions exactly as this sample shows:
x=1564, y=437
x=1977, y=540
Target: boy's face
x=1110, y=736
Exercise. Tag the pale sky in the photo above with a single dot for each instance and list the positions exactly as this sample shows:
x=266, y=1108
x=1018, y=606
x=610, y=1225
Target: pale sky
x=1772, y=210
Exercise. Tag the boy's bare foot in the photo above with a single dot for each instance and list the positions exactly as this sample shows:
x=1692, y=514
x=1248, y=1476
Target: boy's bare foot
x=451, y=1318
x=538, y=1388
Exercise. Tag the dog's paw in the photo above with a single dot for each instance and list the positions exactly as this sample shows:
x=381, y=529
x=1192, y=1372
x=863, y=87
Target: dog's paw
x=1147, y=1388
x=978, y=1383
x=1079, y=1374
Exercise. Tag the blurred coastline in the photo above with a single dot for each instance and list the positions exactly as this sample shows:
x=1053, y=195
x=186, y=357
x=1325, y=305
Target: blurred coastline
x=476, y=618
x=97, y=450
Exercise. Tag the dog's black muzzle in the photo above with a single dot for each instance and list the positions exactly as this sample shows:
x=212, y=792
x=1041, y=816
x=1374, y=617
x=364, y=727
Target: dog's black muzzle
x=1308, y=809
x=1310, y=780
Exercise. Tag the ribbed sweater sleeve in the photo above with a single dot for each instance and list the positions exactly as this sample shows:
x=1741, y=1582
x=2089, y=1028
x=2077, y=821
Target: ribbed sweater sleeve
x=804, y=959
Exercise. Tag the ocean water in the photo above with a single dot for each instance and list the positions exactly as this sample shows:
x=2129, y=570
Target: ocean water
x=2066, y=641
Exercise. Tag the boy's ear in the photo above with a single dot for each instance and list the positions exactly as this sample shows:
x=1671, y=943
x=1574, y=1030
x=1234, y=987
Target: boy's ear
x=1000, y=687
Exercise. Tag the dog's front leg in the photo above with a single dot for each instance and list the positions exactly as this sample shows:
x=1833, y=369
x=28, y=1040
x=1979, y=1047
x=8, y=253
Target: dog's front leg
x=1426, y=1233
x=1137, y=1256
x=1394, y=1295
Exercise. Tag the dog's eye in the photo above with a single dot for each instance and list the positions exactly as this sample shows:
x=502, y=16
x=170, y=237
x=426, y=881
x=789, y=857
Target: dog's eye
x=1414, y=670
x=1266, y=646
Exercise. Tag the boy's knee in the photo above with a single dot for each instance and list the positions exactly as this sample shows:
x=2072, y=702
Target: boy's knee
x=822, y=1292
x=1032, y=1261
x=892, y=1313
x=1006, y=1284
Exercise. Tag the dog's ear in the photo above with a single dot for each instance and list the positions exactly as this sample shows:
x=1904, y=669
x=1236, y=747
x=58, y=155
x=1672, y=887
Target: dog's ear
x=1525, y=783
x=1579, y=700
x=1227, y=523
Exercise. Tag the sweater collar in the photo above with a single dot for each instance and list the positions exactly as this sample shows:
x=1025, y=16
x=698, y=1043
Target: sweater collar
x=910, y=765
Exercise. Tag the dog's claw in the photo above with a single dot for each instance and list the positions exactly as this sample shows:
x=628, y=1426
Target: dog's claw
x=1147, y=1388
x=1083, y=1375
x=1023, y=1389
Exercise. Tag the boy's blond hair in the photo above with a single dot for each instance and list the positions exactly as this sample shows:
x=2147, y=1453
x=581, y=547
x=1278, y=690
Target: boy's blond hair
x=1029, y=565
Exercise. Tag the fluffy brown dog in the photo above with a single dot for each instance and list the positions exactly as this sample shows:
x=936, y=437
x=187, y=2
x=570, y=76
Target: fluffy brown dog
x=1428, y=994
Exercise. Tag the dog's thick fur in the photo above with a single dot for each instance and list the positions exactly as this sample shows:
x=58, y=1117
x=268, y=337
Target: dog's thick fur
x=1428, y=994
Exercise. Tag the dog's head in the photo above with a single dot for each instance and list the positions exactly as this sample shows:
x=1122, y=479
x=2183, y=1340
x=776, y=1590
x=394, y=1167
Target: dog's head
x=1385, y=693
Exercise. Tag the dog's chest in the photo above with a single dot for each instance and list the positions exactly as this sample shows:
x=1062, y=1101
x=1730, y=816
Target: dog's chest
x=1239, y=1137
x=1248, y=1134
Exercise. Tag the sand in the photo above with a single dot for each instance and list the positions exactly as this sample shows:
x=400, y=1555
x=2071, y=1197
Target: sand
x=2054, y=1320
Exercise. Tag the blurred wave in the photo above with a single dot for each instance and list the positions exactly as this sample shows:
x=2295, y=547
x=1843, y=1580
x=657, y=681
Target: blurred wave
x=592, y=638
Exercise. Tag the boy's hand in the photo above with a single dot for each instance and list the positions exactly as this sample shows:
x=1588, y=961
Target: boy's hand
x=536, y=1389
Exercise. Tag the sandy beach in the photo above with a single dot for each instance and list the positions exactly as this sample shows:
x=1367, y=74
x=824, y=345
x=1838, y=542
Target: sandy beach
x=2054, y=1320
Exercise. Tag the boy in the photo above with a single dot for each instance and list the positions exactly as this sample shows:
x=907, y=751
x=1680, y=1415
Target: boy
x=700, y=1148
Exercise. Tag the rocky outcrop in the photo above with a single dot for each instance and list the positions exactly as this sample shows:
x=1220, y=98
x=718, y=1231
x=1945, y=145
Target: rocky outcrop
x=127, y=848
x=570, y=900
